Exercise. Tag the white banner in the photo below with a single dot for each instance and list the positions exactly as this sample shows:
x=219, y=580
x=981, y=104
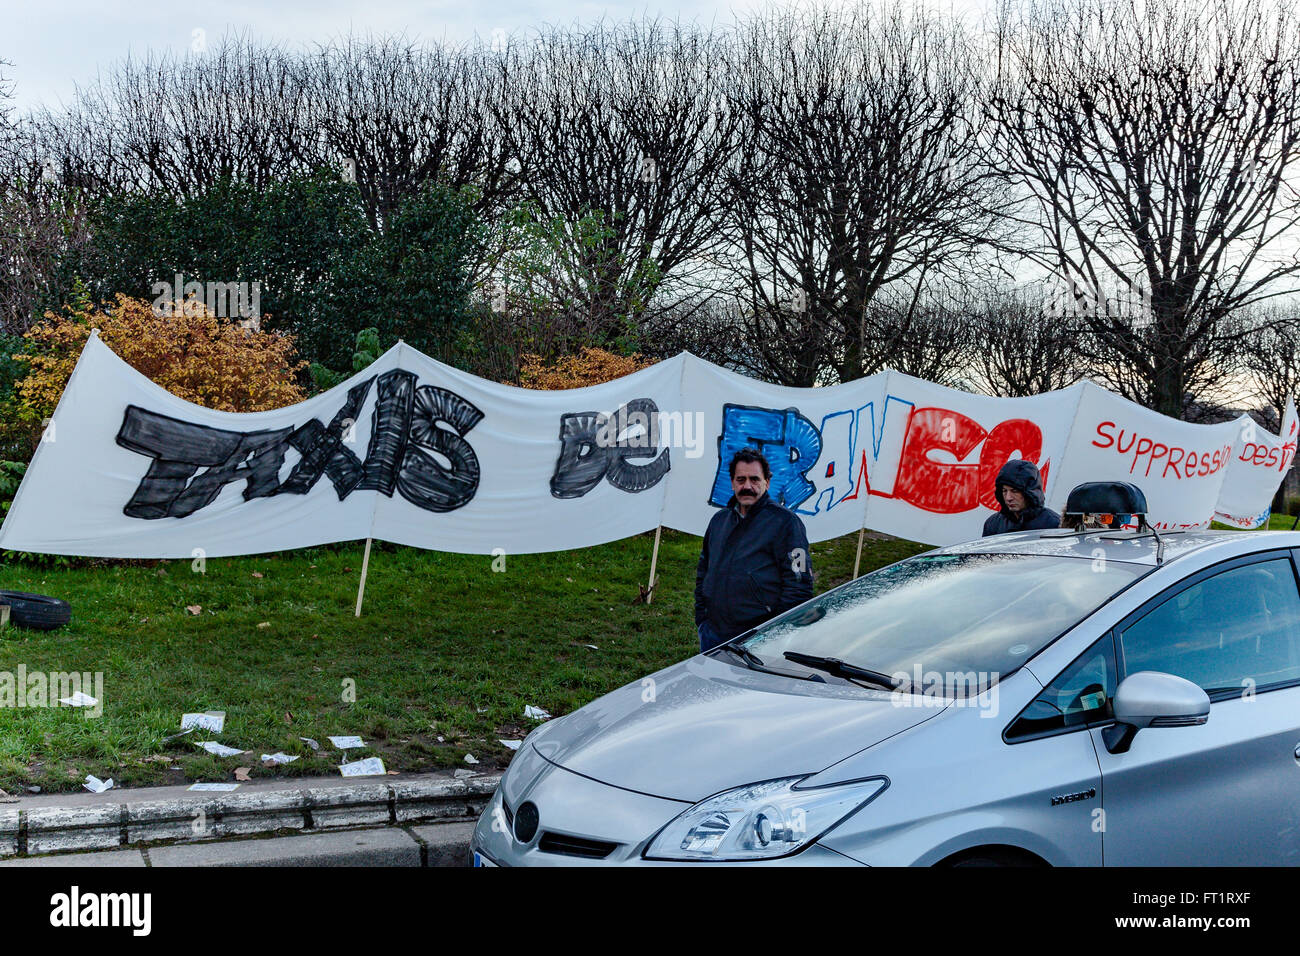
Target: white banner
x=416, y=452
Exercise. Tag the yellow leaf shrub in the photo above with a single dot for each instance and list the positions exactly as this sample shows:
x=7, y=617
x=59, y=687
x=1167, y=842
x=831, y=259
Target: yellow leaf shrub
x=192, y=353
x=591, y=366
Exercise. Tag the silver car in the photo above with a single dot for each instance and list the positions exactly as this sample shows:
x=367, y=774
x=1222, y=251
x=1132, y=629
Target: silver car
x=1048, y=697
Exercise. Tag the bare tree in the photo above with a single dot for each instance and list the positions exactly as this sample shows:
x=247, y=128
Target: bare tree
x=1020, y=348
x=1157, y=144
x=861, y=170
x=1270, y=358
x=398, y=115
x=185, y=122
x=622, y=146
x=930, y=336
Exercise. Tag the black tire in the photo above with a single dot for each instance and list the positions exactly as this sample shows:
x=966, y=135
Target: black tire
x=36, y=611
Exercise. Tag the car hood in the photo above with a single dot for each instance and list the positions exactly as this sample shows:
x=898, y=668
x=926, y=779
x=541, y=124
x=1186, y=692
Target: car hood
x=704, y=725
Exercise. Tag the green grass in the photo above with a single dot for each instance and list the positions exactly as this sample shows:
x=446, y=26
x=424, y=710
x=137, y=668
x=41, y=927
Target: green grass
x=445, y=647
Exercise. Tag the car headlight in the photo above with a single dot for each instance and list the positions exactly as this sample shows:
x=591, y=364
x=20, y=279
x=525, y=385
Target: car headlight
x=761, y=821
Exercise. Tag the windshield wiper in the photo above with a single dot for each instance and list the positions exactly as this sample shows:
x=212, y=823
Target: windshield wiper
x=834, y=665
x=755, y=663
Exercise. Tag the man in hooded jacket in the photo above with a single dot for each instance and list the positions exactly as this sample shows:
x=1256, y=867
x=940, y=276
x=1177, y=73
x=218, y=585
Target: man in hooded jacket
x=1019, y=491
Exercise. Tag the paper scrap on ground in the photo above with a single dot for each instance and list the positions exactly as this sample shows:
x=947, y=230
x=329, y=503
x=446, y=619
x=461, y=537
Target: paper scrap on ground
x=215, y=787
x=79, y=700
x=512, y=744
x=370, y=767
x=220, y=750
x=95, y=785
x=461, y=773
x=213, y=721
x=278, y=758
x=343, y=743
x=241, y=773
x=310, y=743
x=470, y=758
x=168, y=740
x=536, y=713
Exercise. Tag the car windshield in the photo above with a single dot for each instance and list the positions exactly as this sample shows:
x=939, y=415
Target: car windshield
x=959, y=619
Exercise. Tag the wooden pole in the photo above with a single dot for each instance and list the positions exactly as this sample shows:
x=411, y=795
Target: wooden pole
x=858, y=560
x=365, y=566
x=654, y=560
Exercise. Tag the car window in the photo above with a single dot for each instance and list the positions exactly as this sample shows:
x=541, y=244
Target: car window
x=936, y=620
x=1080, y=695
x=1238, y=629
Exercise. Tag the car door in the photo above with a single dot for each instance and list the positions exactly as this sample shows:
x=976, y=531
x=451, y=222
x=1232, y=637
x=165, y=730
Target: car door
x=1052, y=732
x=1226, y=792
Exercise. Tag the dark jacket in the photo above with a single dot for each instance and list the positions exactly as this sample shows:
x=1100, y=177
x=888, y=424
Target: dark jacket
x=751, y=568
x=1022, y=476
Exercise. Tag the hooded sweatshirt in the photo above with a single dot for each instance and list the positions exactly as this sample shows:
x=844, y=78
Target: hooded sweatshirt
x=1023, y=476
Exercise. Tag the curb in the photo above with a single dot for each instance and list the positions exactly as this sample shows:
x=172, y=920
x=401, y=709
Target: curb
x=206, y=818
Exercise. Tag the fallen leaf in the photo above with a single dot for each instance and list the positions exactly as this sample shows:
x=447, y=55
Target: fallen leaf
x=194, y=608
x=241, y=773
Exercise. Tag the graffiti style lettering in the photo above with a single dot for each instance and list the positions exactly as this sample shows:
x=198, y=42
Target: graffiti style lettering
x=423, y=479
x=179, y=449
x=417, y=448
x=595, y=446
x=906, y=450
x=323, y=451
x=789, y=441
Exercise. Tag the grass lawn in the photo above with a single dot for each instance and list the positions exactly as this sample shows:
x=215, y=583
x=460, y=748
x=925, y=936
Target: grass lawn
x=445, y=647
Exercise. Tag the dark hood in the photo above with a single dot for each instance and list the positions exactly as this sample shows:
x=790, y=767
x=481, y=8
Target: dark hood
x=1023, y=476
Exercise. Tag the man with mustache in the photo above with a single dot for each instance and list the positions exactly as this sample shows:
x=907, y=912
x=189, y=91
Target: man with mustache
x=755, y=561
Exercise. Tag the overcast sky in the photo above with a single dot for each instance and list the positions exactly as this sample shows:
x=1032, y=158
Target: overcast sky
x=56, y=44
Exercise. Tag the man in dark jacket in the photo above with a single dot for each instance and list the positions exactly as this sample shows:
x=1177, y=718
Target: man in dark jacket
x=754, y=563
x=1019, y=491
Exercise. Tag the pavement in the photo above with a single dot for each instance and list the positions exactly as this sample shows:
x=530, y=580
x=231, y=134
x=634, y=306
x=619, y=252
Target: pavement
x=401, y=820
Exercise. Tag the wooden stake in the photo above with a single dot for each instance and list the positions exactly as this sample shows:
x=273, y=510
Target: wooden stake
x=365, y=566
x=654, y=560
x=858, y=560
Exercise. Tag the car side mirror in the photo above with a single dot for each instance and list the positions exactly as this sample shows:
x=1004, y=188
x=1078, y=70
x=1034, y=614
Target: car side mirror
x=1153, y=699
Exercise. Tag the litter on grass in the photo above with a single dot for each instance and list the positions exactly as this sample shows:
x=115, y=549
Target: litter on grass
x=213, y=721
x=95, y=785
x=370, y=767
x=216, y=749
x=536, y=713
x=344, y=743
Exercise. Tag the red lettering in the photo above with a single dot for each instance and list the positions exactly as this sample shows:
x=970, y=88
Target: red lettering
x=1141, y=450
x=940, y=487
x=1158, y=452
x=1172, y=462
x=1110, y=439
x=1014, y=438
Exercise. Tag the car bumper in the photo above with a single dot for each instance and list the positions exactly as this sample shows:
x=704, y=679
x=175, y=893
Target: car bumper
x=580, y=818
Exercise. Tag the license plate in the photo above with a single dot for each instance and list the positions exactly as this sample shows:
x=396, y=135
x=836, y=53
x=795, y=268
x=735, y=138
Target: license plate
x=481, y=860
